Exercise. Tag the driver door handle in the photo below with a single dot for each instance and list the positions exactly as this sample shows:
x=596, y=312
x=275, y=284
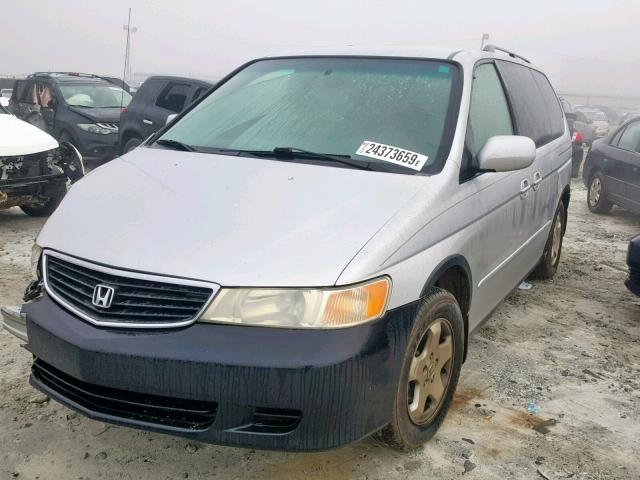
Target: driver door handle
x=537, y=178
x=525, y=186
x=147, y=122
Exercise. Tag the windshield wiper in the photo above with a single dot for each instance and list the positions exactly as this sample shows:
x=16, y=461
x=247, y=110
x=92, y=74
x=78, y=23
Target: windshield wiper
x=176, y=145
x=290, y=153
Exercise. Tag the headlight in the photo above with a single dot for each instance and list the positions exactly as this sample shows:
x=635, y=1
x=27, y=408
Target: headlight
x=36, y=253
x=300, y=308
x=102, y=129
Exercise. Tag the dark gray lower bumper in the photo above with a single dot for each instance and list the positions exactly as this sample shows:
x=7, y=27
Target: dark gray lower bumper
x=338, y=384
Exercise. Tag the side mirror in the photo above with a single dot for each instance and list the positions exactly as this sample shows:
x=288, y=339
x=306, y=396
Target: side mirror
x=571, y=116
x=170, y=118
x=506, y=153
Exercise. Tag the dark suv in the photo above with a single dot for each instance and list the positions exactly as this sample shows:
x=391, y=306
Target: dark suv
x=77, y=108
x=156, y=99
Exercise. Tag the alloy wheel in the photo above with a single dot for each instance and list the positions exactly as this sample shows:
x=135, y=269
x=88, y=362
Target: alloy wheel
x=430, y=372
x=556, y=242
x=595, y=190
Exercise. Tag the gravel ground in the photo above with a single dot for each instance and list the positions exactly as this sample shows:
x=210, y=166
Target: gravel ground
x=571, y=345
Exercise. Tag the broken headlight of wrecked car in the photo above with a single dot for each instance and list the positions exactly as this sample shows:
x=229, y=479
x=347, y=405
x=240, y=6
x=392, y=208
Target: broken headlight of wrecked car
x=37, y=182
x=301, y=307
x=36, y=255
x=34, y=289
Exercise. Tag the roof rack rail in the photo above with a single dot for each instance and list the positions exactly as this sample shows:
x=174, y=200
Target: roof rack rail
x=495, y=48
x=63, y=74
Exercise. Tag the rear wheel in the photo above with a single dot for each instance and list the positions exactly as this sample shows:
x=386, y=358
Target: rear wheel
x=596, y=197
x=550, y=260
x=131, y=144
x=576, y=161
x=429, y=374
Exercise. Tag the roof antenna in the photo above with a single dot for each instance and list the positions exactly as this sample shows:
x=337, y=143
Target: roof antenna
x=485, y=37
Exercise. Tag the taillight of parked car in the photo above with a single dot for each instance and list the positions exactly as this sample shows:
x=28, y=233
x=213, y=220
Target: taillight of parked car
x=577, y=138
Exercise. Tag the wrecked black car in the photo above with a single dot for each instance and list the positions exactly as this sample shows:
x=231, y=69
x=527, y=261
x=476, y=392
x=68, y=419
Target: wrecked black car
x=77, y=108
x=35, y=170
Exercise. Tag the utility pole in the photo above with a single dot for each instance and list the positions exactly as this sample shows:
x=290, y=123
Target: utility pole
x=485, y=37
x=128, y=74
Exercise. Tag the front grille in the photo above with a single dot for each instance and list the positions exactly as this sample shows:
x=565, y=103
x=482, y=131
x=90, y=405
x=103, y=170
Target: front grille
x=176, y=413
x=135, y=302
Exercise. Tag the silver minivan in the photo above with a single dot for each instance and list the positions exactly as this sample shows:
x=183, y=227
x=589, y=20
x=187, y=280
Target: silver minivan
x=297, y=260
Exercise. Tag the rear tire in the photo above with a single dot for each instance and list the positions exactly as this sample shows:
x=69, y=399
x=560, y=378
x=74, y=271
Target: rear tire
x=596, y=196
x=550, y=260
x=131, y=144
x=429, y=374
x=576, y=161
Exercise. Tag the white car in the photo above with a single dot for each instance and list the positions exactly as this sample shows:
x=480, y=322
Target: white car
x=34, y=168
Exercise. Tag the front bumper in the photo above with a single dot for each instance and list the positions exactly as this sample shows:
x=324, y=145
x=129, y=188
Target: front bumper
x=270, y=388
x=93, y=145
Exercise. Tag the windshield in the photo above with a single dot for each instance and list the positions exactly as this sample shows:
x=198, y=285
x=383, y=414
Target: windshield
x=330, y=106
x=94, y=95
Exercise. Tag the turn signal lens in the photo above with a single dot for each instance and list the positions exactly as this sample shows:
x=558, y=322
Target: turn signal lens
x=356, y=305
x=301, y=308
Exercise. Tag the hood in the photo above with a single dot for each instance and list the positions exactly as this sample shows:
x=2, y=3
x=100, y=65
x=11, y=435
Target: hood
x=21, y=138
x=101, y=115
x=235, y=221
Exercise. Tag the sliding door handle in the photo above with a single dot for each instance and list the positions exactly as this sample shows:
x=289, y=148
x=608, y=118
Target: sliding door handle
x=525, y=186
x=537, y=178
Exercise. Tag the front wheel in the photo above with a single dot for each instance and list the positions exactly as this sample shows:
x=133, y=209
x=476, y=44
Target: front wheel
x=430, y=372
x=131, y=144
x=46, y=208
x=596, y=198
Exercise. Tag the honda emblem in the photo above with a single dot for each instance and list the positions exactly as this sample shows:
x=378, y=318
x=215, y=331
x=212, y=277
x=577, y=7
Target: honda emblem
x=103, y=296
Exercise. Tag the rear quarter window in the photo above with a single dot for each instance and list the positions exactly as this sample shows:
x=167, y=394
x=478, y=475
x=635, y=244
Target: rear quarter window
x=174, y=97
x=536, y=108
x=630, y=139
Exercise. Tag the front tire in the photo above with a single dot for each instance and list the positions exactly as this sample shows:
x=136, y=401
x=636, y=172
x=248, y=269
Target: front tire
x=131, y=144
x=47, y=208
x=596, y=196
x=430, y=372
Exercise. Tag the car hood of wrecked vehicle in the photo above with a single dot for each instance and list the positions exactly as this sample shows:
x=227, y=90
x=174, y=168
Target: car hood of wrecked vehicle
x=21, y=138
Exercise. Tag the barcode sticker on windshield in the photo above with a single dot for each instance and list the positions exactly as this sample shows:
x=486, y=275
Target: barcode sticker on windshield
x=391, y=154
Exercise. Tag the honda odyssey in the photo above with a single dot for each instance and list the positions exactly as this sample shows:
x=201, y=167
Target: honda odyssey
x=297, y=260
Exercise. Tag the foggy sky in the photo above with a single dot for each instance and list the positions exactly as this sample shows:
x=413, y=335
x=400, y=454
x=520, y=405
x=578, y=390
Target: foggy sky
x=586, y=46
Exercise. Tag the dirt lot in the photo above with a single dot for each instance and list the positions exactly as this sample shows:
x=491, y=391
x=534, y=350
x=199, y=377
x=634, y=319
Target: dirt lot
x=572, y=346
